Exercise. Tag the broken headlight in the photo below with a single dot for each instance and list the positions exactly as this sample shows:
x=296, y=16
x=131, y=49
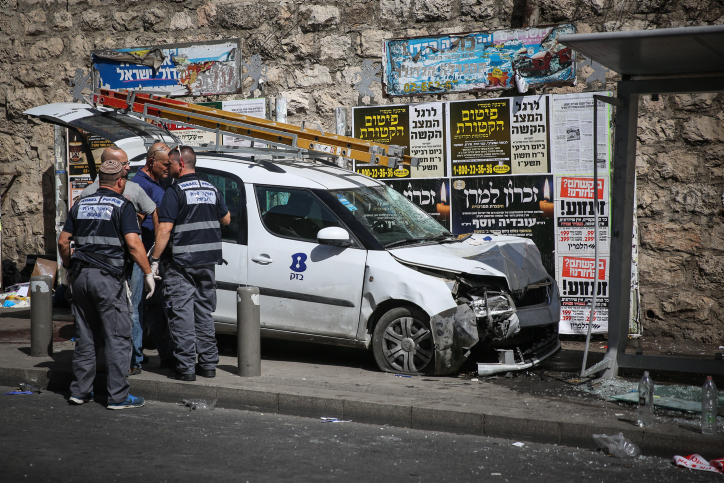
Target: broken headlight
x=498, y=310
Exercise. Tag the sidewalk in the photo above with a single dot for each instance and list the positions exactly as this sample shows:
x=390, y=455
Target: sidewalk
x=345, y=385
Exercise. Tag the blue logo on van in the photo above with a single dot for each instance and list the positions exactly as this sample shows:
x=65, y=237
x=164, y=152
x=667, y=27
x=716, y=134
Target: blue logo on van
x=298, y=260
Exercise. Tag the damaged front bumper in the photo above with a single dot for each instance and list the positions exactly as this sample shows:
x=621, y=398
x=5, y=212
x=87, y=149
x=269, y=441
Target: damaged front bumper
x=454, y=332
x=516, y=360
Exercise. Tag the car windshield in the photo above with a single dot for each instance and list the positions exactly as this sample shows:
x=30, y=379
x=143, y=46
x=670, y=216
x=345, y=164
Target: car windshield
x=390, y=217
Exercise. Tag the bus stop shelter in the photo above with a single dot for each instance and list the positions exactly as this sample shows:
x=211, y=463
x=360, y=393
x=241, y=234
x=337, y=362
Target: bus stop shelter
x=651, y=62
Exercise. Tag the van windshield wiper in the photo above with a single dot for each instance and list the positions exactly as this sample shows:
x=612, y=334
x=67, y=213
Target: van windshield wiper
x=415, y=240
x=406, y=240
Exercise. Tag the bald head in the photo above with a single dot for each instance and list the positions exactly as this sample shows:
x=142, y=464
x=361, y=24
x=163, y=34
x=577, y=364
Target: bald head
x=157, y=162
x=114, y=152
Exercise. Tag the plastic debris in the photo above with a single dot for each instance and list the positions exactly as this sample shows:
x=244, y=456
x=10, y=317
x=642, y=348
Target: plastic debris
x=13, y=393
x=519, y=444
x=474, y=379
x=27, y=387
x=617, y=445
x=199, y=403
x=696, y=462
x=401, y=375
x=334, y=420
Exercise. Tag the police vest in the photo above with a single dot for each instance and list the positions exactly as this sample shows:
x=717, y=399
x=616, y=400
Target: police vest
x=196, y=235
x=97, y=232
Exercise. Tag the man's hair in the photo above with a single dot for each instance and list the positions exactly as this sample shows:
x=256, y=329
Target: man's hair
x=105, y=179
x=174, y=156
x=189, y=156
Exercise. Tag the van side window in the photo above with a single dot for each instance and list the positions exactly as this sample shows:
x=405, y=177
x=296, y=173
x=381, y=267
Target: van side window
x=293, y=213
x=232, y=189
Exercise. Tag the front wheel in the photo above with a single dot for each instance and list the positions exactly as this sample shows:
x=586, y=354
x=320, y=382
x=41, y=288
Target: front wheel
x=402, y=342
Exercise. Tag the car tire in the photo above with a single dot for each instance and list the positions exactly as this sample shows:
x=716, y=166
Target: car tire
x=402, y=342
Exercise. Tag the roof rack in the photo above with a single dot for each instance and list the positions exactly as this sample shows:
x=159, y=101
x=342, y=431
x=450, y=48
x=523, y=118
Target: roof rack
x=292, y=140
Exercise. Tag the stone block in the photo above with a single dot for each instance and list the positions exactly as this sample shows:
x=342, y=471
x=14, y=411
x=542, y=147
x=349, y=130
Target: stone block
x=246, y=399
x=313, y=18
x=126, y=21
x=152, y=18
x=92, y=20
x=145, y=388
x=377, y=413
x=371, y=42
x=335, y=47
x=477, y=9
x=62, y=21
x=175, y=391
x=34, y=22
x=206, y=15
x=432, y=10
x=180, y=21
x=394, y=10
x=244, y=15
x=44, y=49
x=311, y=406
x=19, y=100
x=317, y=75
x=436, y=419
x=705, y=128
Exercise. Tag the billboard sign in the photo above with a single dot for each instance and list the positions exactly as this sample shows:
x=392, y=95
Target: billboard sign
x=477, y=61
x=195, y=69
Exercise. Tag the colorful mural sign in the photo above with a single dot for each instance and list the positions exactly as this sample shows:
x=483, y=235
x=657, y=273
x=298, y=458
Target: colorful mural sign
x=477, y=61
x=203, y=68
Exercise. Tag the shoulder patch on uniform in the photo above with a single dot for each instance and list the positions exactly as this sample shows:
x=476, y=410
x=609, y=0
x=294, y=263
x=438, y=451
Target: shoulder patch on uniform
x=206, y=184
x=188, y=184
x=115, y=201
x=89, y=199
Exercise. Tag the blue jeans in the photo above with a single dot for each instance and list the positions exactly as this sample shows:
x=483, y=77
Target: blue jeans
x=136, y=285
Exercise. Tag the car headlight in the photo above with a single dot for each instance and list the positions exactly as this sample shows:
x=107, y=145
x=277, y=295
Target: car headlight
x=493, y=305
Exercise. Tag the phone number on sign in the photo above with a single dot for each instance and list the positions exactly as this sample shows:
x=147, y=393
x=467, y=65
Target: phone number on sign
x=474, y=169
x=429, y=86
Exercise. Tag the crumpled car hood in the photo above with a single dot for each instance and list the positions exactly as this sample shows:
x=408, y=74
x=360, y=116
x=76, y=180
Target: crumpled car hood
x=517, y=259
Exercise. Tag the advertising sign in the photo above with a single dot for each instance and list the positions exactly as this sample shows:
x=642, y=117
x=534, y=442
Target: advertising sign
x=430, y=194
x=507, y=205
x=420, y=128
x=575, y=216
x=480, y=137
x=575, y=284
x=194, y=69
x=477, y=61
x=530, y=135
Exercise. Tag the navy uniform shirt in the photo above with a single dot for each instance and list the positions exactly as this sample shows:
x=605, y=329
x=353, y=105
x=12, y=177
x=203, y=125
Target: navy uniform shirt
x=170, y=205
x=129, y=220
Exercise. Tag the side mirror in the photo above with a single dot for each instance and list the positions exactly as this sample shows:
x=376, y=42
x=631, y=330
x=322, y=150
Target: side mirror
x=334, y=236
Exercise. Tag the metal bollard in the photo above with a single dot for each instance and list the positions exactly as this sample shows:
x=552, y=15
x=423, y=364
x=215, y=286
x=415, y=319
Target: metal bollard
x=41, y=316
x=248, y=334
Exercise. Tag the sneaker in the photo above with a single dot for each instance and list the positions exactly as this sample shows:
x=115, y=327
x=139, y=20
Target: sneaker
x=134, y=371
x=130, y=402
x=80, y=400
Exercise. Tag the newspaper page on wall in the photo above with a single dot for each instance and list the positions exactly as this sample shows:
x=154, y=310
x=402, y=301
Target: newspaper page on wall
x=572, y=139
x=419, y=128
x=575, y=249
x=507, y=205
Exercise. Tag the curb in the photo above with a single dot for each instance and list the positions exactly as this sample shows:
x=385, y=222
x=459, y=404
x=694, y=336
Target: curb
x=660, y=440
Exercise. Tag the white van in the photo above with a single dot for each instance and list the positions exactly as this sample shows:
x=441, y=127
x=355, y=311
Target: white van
x=340, y=258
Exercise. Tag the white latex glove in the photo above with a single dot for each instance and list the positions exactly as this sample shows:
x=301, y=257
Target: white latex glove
x=154, y=270
x=150, y=284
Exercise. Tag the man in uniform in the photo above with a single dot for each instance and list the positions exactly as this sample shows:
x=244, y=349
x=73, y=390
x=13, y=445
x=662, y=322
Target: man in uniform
x=105, y=230
x=189, y=224
x=146, y=210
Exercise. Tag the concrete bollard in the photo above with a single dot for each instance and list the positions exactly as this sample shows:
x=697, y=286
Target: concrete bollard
x=248, y=333
x=41, y=316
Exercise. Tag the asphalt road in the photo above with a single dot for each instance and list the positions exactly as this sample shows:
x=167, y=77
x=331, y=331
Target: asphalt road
x=42, y=438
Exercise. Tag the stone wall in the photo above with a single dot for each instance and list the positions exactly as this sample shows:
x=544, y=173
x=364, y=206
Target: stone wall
x=313, y=50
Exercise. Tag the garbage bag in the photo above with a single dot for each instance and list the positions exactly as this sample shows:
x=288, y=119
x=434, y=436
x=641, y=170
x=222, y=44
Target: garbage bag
x=617, y=445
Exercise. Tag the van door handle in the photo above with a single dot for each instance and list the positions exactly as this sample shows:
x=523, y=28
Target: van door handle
x=263, y=259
